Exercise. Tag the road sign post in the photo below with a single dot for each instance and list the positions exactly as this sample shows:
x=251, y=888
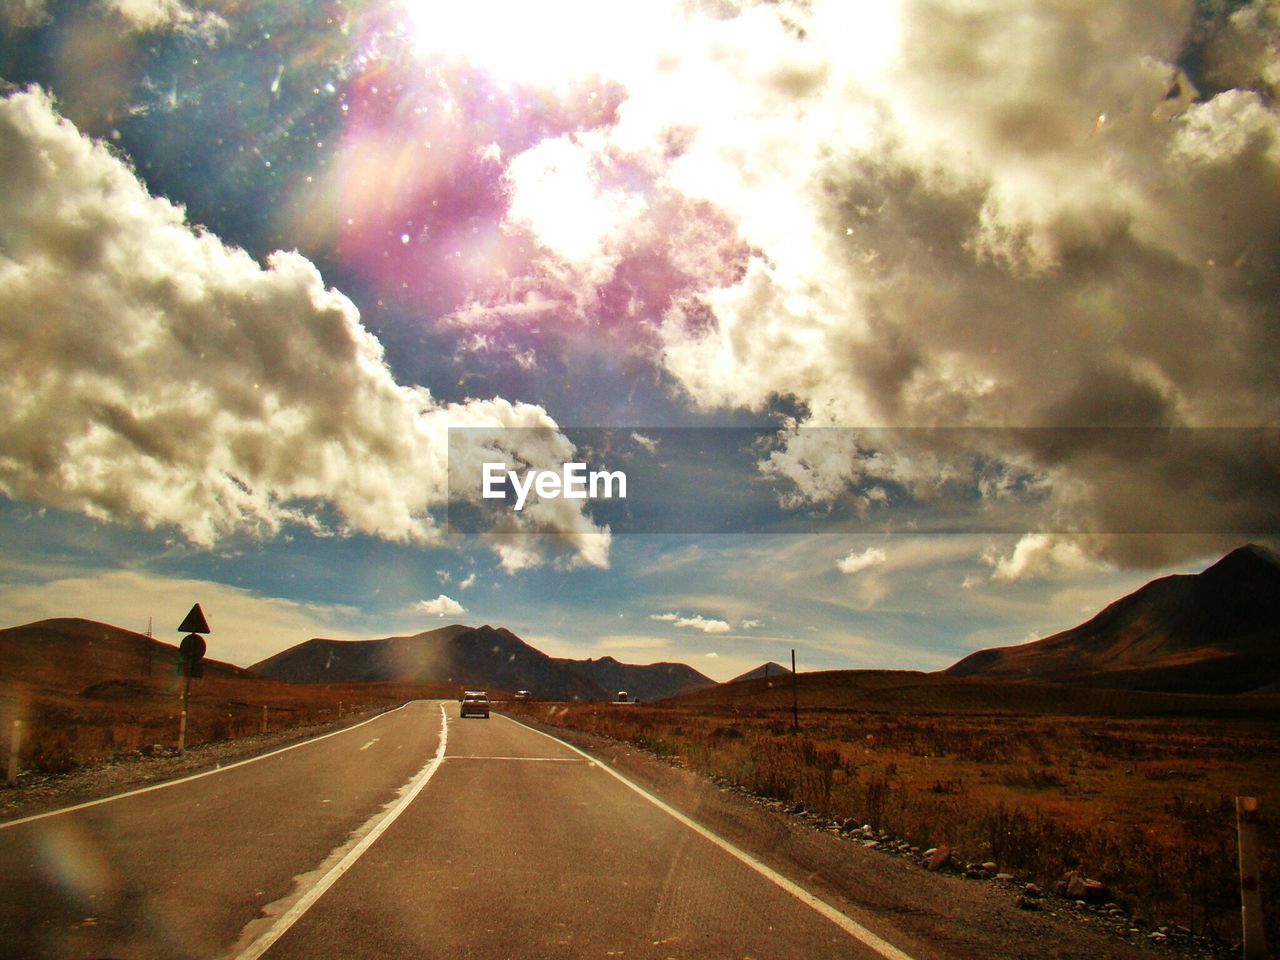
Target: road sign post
x=191, y=661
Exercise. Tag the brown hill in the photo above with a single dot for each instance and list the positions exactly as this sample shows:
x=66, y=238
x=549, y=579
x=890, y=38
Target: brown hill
x=69, y=655
x=764, y=671
x=480, y=657
x=922, y=694
x=1213, y=632
x=648, y=682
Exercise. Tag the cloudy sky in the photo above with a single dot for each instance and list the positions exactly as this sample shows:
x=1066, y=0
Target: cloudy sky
x=257, y=260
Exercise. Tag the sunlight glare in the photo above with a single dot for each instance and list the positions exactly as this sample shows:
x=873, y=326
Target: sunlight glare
x=548, y=44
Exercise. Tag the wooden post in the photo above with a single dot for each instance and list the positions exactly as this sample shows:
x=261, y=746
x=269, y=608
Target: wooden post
x=15, y=744
x=795, y=696
x=339, y=709
x=264, y=718
x=1255, y=937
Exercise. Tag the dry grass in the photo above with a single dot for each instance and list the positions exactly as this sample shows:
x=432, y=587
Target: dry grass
x=61, y=731
x=1144, y=804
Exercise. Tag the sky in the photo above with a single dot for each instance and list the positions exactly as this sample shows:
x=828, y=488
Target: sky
x=920, y=326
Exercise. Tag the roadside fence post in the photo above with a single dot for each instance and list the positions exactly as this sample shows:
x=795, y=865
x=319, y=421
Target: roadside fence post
x=1255, y=937
x=15, y=744
x=264, y=718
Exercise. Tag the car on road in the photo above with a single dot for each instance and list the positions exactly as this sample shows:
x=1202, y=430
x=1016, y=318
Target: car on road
x=475, y=703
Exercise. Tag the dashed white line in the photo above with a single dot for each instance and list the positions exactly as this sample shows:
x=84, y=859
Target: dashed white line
x=370, y=743
x=473, y=756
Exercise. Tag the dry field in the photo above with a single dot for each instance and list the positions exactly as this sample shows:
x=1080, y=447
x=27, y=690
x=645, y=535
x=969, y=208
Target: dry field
x=1143, y=803
x=62, y=732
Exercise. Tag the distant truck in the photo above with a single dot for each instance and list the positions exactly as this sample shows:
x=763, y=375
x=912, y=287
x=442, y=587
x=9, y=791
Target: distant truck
x=623, y=696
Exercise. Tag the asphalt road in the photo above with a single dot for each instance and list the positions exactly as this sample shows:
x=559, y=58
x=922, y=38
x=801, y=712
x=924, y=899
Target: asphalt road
x=508, y=844
x=179, y=872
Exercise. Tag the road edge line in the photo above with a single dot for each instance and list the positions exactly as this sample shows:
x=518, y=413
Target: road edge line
x=814, y=902
x=196, y=776
x=308, y=899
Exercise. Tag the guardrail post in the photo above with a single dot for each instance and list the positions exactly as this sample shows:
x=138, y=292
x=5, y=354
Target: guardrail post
x=1255, y=937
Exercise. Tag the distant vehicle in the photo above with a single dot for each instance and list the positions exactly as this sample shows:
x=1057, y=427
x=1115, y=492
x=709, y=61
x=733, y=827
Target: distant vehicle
x=523, y=695
x=622, y=696
x=475, y=704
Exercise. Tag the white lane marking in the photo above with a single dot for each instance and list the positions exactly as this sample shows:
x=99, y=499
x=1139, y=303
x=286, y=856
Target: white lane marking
x=197, y=776
x=849, y=926
x=294, y=913
x=370, y=743
x=476, y=756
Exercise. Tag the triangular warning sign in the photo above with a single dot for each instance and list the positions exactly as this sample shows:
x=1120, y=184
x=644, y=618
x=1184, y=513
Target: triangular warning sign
x=195, y=622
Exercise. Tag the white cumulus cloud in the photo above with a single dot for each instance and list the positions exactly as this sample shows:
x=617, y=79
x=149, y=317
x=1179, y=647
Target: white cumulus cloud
x=156, y=375
x=697, y=622
x=441, y=606
x=854, y=562
x=982, y=214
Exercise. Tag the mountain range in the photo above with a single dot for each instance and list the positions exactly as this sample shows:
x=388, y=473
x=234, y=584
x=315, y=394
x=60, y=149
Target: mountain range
x=1217, y=631
x=476, y=657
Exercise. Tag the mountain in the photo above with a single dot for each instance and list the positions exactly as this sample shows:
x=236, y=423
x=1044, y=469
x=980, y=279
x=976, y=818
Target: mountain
x=1213, y=632
x=70, y=654
x=764, y=671
x=651, y=682
x=474, y=657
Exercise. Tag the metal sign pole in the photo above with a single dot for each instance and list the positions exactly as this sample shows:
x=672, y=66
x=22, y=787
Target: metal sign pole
x=182, y=722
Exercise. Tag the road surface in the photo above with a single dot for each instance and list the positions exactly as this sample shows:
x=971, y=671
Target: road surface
x=414, y=835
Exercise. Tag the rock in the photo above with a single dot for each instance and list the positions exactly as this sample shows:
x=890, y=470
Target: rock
x=795, y=809
x=1006, y=877
x=1028, y=903
x=939, y=858
x=1074, y=887
x=1031, y=890
x=1095, y=891
x=849, y=826
x=990, y=866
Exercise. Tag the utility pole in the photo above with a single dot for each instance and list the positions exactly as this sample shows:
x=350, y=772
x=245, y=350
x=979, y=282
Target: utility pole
x=795, y=696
